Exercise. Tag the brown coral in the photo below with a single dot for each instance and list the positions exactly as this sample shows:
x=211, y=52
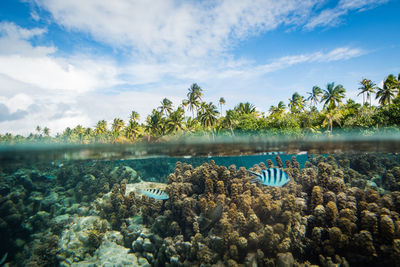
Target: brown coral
x=316, y=196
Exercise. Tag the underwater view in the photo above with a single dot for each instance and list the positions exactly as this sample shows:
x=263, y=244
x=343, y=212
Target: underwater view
x=95, y=206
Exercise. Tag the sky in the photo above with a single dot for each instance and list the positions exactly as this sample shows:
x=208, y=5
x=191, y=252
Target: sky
x=70, y=62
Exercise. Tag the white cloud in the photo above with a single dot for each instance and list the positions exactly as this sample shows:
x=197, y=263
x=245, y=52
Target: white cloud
x=17, y=102
x=332, y=17
x=39, y=88
x=16, y=32
x=361, y=5
x=172, y=27
x=341, y=53
x=36, y=65
x=194, y=29
x=15, y=40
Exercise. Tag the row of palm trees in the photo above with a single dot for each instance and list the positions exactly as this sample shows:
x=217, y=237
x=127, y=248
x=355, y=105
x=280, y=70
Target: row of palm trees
x=333, y=95
x=205, y=117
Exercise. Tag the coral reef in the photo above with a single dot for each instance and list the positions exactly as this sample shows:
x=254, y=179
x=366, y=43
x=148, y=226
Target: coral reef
x=319, y=217
x=88, y=241
x=36, y=204
x=338, y=210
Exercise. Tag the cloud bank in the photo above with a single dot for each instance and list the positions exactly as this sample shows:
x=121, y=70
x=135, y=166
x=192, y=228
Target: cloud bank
x=166, y=46
x=173, y=28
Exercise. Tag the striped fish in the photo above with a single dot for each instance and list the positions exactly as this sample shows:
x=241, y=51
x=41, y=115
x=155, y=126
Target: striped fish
x=273, y=153
x=271, y=177
x=154, y=193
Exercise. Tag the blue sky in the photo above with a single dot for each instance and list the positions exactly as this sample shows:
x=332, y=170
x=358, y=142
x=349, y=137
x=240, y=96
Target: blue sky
x=64, y=63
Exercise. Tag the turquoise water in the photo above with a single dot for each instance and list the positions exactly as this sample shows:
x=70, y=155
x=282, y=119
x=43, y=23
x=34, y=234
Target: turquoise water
x=81, y=205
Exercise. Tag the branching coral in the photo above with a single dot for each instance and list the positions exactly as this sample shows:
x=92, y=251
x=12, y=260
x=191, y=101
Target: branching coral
x=318, y=213
x=336, y=210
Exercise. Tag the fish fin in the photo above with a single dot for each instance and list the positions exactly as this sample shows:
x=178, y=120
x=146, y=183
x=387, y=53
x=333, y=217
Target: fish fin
x=255, y=180
x=259, y=176
x=3, y=259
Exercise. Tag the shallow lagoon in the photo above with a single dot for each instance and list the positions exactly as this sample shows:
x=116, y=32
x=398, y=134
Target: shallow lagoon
x=79, y=205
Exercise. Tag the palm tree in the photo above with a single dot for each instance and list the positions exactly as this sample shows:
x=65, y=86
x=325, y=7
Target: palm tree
x=245, y=108
x=386, y=93
x=331, y=116
x=38, y=129
x=67, y=134
x=398, y=83
x=221, y=102
x=46, y=131
x=175, y=120
x=208, y=118
x=367, y=86
x=201, y=108
x=333, y=95
x=155, y=124
x=101, y=127
x=315, y=95
x=134, y=116
x=296, y=103
x=194, y=97
x=117, y=127
x=88, y=132
x=166, y=106
x=8, y=137
x=391, y=80
x=80, y=131
x=278, y=110
x=191, y=124
x=132, y=129
x=230, y=120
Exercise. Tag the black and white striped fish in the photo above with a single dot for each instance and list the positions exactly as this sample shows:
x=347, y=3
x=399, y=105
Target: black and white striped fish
x=154, y=193
x=273, y=153
x=271, y=177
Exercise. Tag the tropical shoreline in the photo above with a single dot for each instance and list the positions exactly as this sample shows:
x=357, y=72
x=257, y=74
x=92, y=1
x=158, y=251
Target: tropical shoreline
x=194, y=117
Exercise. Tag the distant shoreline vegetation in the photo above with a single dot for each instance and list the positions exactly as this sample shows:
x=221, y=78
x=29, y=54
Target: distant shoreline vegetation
x=299, y=117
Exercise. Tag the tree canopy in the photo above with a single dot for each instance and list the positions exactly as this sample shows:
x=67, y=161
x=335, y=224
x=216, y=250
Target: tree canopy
x=206, y=118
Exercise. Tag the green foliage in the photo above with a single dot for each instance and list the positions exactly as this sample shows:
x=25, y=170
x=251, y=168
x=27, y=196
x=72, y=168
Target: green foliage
x=175, y=120
x=245, y=108
x=208, y=116
x=244, y=118
x=296, y=103
x=315, y=95
x=166, y=106
x=387, y=92
x=247, y=123
x=389, y=115
x=193, y=97
x=290, y=122
x=155, y=124
x=333, y=95
x=368, y=88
